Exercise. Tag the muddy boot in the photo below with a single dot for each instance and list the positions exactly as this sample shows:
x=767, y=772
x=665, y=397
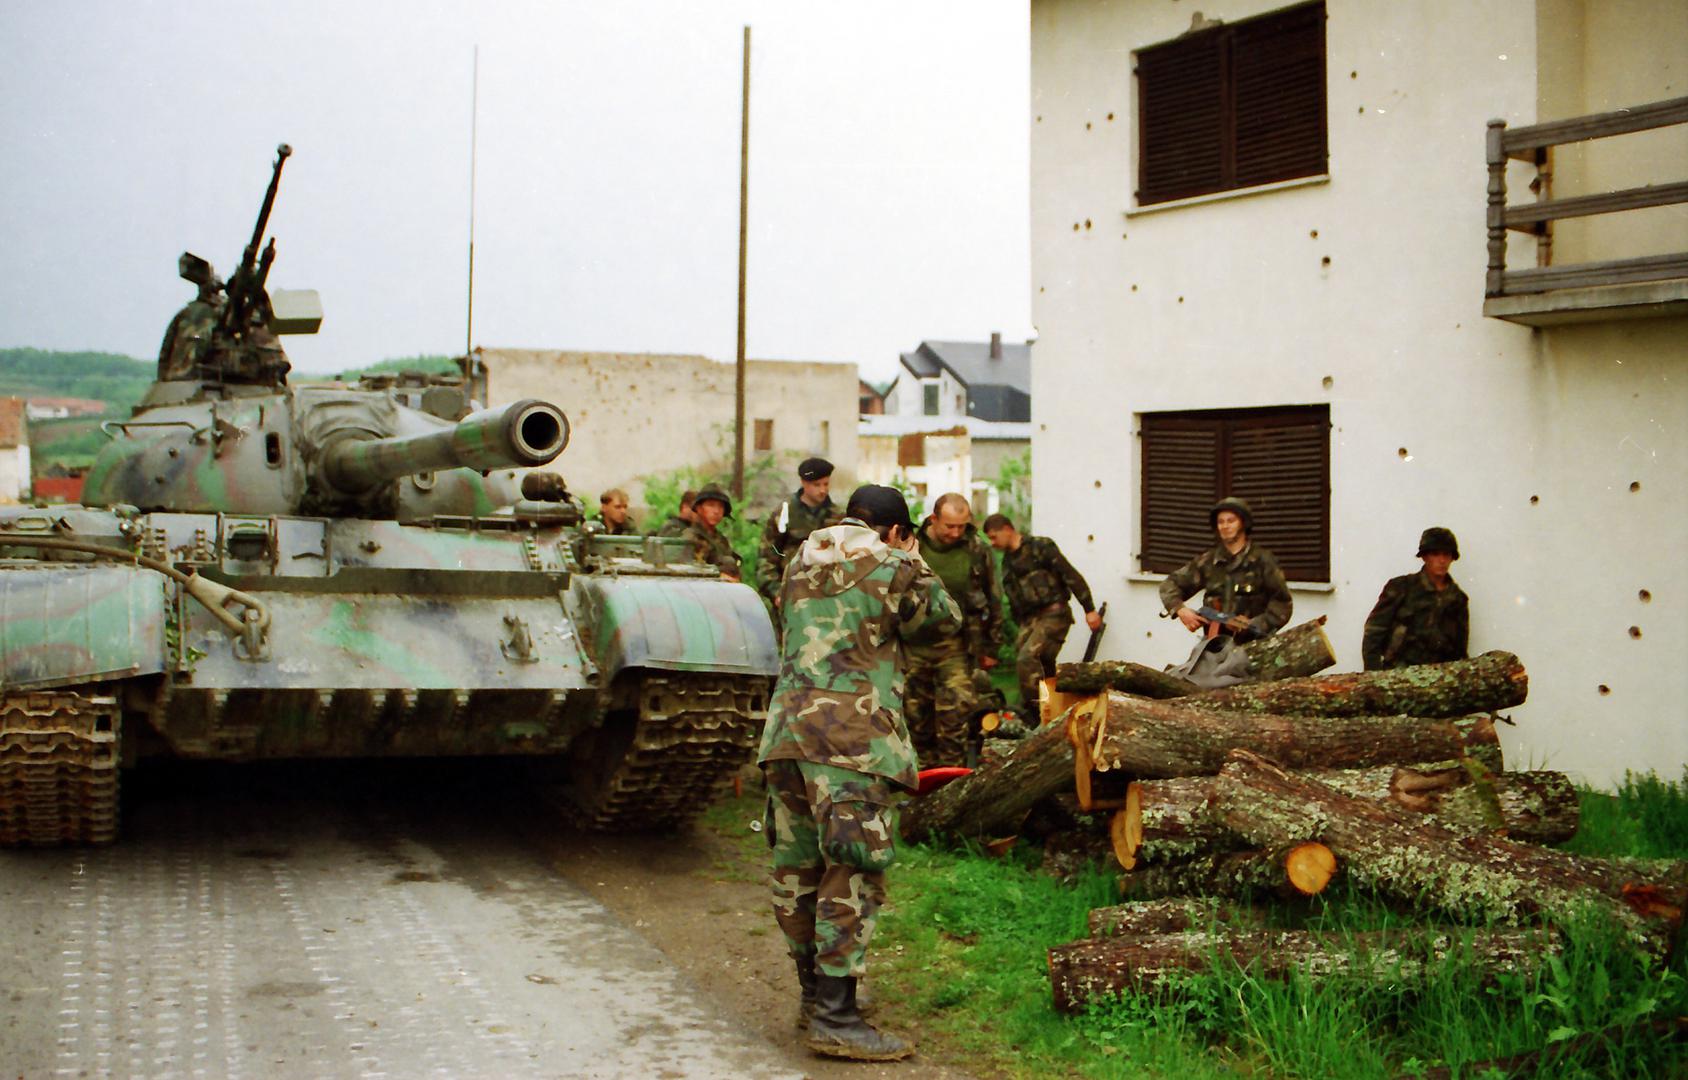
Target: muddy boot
x=838, y=1029
x=806, y=981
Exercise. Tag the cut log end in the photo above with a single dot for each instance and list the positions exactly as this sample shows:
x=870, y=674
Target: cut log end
x=1309, y=867
x=1125, y=828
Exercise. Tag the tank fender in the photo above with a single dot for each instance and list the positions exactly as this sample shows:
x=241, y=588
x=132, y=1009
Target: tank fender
x=675, y=624
x=64, y=624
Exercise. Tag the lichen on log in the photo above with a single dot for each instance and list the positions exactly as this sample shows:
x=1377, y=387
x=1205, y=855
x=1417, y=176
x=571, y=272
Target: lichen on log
x=1164, y=739
x=1494, y=680
x=1169, y=916
x=1098, y=968
x=1294, y=652
x=1097, y=675
x=1289, y=870
x=1470, y=877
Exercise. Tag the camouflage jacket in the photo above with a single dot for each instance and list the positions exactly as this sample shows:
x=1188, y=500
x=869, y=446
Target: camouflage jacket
x=187, y=340
x=968, y=571
x=713, y=547
x=1414, y=623
x=850, y=602
x=1247, y=583
x=788, y=525
x=1037, y=576
x=674, y=526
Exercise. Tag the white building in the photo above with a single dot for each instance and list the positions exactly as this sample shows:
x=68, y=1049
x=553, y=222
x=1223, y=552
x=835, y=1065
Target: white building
x=1259, y=245
x=14, y=450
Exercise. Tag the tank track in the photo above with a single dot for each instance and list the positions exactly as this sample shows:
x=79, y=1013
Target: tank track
x=58, y=768
x=690, y=731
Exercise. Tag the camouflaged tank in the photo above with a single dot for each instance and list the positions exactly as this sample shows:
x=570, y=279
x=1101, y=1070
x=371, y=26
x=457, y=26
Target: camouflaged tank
x=263, y=571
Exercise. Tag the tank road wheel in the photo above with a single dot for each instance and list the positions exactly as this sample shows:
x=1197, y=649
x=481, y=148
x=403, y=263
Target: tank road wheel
x=657, y=763
x=58, y=768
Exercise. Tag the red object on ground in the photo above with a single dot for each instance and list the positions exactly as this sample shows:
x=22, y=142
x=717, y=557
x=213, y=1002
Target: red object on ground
x=933, y=779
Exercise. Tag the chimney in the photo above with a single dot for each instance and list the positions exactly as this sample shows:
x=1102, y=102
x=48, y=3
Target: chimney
x=996, y=345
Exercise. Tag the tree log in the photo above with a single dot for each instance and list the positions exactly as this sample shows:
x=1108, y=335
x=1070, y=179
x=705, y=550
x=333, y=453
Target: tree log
x=1095, y=969
x=1168, y=916
x=1163, y=739
x=996, y=797
x=1495, y=680
x=1123, y=675
x=1170, y=820
x=1292, y=870
x=1479, y=877
x=1296, y=651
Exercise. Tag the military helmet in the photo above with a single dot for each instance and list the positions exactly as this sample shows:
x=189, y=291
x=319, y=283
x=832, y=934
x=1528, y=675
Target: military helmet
x=1237, y=507
x=712, y=491
x=1437, y=538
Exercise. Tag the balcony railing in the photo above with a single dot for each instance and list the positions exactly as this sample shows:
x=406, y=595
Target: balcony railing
x=1532, y=144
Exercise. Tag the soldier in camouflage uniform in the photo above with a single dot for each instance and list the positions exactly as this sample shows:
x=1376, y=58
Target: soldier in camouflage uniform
x=835, y=751
x=612, y=512
x=709, y=543
x=1422, y=618
x=1242, y=585
x=187, y=340
x=810, y=508
x=678, y=523
x=1039, y=582
x=941, y=697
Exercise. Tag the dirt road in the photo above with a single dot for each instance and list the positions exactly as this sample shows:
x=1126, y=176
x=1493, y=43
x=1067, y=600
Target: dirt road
x=399, y=920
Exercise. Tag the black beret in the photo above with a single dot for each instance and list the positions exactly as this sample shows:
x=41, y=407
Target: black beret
x=814, y=469
x=879, y=505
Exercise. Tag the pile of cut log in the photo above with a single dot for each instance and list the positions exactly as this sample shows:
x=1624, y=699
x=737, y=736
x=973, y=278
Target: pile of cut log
x=1275, y=786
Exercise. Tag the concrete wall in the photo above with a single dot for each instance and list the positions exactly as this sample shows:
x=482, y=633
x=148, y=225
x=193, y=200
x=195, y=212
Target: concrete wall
x=1559, y=456
x=635, y=414
x=14, y=474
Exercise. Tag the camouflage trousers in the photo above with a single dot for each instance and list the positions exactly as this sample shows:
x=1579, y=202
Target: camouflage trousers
x=1035, y=650
x=832, y=832
x=939, y=700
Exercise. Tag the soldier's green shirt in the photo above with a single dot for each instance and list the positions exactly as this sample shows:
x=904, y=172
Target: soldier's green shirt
x=1037, y=576
x=1416, y=623
x=713, y=547
x=850, y=601
x=624, y=529
x=1247, y=583
x=787, y=526
x=968, y=571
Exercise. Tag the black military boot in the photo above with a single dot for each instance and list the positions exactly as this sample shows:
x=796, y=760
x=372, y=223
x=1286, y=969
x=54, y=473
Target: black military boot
x=838, y=1029
x=806, y=981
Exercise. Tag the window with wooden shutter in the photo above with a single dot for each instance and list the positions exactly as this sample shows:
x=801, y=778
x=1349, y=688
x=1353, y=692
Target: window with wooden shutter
x=1232, y=106
x=1276, y=459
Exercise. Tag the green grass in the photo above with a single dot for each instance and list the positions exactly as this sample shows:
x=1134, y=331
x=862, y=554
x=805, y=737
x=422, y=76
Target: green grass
x=960, y=958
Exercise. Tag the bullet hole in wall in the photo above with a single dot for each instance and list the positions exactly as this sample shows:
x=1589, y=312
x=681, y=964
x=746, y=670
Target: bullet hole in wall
x=1534, y=499
x=1403, y=454
x=1087, y=223
x=1134, y=288
x=1180, y=299
x=1327, y=382
x=1604, y=689
x=1353, y=74
x=1635, y=631
x=1091, y=538
x=1313, y=234
x=1635, y=485
x=1362, y=110
x=1325, y=261
x=1087, y=125
x=1644, y=596
x=1110, y=116
x=1075, y=226
x=1097, y=483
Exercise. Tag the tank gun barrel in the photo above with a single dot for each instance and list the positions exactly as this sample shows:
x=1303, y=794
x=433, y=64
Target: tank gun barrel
x=522, y=434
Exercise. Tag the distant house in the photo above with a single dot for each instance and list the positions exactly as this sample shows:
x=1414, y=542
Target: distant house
x=57, y=408
x=14, y=450
x=870, y=402
x=956, y=411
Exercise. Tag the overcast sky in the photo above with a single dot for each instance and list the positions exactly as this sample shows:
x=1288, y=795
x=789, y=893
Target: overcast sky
x=888, y=178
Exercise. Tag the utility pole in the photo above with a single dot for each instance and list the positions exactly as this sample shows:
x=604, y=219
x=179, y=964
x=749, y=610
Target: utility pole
x=474, y=123
x=743, y=219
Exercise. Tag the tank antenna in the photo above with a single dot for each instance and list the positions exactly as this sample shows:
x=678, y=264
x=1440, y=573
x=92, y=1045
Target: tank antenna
x=474, y=117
